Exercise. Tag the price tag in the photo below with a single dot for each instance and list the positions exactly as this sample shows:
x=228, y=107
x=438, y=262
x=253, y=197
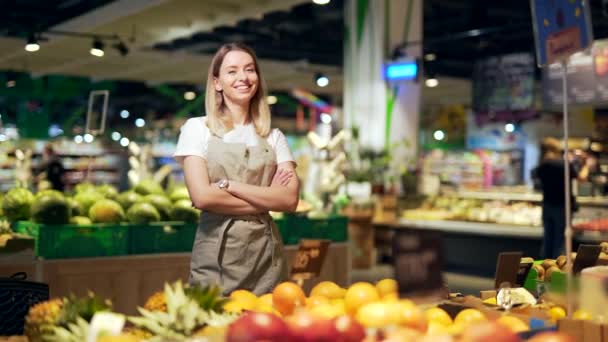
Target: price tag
x=418, y=258
x=586, y=256
x=507, y=268
x=309, y=259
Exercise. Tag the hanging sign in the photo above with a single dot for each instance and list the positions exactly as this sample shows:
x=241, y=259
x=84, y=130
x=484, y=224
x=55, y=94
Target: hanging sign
x=561, y=28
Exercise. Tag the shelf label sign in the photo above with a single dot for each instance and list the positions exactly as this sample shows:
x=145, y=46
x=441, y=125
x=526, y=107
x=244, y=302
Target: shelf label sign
x=561, y=28
x=586, y=256
x=309, y=259
x=418, y=258
x=96, y=112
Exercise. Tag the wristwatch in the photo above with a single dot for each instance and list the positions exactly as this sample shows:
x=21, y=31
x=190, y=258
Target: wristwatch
x=223, y=184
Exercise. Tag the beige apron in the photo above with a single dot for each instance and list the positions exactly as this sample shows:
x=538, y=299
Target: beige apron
x=238, y=252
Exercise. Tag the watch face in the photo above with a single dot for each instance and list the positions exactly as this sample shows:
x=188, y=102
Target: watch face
x=223, y=184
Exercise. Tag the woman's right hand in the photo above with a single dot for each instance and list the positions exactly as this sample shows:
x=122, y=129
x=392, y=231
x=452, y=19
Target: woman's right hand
x=281, y=177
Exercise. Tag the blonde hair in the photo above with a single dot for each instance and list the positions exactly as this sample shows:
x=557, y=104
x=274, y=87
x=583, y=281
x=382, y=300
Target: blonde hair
x=551, y=148
x=220, y=122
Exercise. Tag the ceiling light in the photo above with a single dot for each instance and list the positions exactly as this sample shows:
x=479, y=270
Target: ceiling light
x=116, y=136
x=322, y=80
x=122, y=48
x=88, y=138
x=78, y=139
x=189, y=95
x=32, y=44
x=10, y=83
x=438, y=135
x=321, y=2
x=509, y=128
x=124, y=113
x=139, y=122
x=97, y=49
x=431, y=82
x=430, y=57
x=271, y=99
x=124, y=142
x=2, y=137
x=325, y=118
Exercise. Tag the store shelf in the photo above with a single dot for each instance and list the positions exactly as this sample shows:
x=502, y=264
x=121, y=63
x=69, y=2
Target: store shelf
x=591, y=237
x=475, y=228
x=524, y=197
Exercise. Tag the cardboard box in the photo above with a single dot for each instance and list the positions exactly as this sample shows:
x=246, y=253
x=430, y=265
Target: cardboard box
x=572, y=327
x=592, y=332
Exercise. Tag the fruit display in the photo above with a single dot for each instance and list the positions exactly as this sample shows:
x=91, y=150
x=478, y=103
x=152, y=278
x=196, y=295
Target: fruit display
x=460, y=209
x=145, y=203
x=363, y=312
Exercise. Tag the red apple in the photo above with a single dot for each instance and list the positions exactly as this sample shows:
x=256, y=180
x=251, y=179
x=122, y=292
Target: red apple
x=258, y=326
x=551, y=337
x=305, y=327
x=489, y=332
x=348, y=329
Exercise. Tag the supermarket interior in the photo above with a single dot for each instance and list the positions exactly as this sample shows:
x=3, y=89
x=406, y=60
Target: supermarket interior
x=304, y=170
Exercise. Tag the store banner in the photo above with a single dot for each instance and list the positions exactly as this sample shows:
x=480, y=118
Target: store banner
x=561, y=28
x=587, y=78
x=504, y=83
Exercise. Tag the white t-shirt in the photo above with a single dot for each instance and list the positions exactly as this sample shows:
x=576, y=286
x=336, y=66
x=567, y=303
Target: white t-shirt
x=194, y=138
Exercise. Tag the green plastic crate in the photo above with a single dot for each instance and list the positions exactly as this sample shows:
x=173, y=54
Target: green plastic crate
x=557, y=283
x=161, y=237
x=293, y=228
x=76, y=241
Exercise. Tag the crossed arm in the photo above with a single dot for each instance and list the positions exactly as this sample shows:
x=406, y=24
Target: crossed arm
x=240, y=198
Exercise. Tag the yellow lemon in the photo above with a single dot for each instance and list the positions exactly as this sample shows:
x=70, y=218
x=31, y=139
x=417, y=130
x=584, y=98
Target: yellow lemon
x=376, y=315
x=313, y=301
x=582, y=315
x=265, y=299
x=386, y=287
x=234, y=307
x=358, y=295
x=328, y=289
x=266, y=309
x=247, y=299
x=556, y=313
x=467, y=317
x=326, y=311
x=515, y=324
x=391, y=297
x=438, y=315
x=437, y=329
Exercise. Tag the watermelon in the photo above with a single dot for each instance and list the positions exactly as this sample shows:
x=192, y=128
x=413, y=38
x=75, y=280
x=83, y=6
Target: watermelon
x=17, y=204
x=106, y=211
x=179, y=193
x=148, y=187
x=108, y=191
x=128, y=198
x=87, y=198
x=51, y=208
x=161, y=203
x=183, y=211
x=142, y=212
x=80, y=220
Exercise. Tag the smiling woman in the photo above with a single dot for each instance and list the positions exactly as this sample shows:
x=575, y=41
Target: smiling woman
x=237, y=169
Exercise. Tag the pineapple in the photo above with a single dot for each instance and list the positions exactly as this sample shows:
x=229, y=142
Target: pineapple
x=156, y=302
x=63, y=319
x=41, y=318
x=185, y=315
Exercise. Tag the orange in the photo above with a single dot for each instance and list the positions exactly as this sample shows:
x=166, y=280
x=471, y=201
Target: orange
x=391, y=297
x=328, y=289
x=514, y=324
x=409, y=315
x=326, y=311
x=386, y=287
x=438, y=315
x=469, y=316
x=359, y=294
x=287, y=296
x=313, y=301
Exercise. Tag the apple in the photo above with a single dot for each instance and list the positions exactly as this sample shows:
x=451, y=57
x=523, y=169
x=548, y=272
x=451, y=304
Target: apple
x=304, y=327
x=551, y=337
x=348, y=329
x=258, y=326
x=489, y=332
